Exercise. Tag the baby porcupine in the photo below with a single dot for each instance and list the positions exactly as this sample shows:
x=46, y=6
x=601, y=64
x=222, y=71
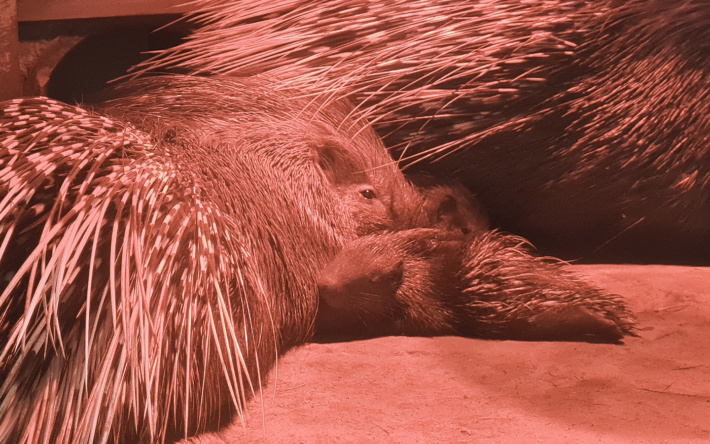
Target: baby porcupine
x=459, y=278
x=442, y=282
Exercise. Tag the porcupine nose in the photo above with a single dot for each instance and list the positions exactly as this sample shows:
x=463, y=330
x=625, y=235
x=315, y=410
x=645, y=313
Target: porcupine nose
x=331, y=290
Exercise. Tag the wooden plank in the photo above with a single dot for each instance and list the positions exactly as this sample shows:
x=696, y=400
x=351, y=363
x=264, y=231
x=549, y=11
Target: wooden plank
x=43, y=10
x=10, y=79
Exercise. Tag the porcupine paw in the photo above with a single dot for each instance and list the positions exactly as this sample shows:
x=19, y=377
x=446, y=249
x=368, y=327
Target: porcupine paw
x=578, y=323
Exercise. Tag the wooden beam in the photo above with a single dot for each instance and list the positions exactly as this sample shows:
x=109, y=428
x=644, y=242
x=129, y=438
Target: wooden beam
x=10, y=79
x=43, y=10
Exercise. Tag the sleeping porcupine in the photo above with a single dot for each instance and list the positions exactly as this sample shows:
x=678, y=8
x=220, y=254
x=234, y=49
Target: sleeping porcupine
x=581, y=125
x=459, y=278
x=158, y=254
x=150, y=276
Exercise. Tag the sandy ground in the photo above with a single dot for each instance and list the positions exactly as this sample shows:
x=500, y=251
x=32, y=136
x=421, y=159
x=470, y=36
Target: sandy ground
x=653, y=389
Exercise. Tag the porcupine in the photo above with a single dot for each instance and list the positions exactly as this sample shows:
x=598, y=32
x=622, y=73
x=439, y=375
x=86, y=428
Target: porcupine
x=152, y=273
x=442, y=282
x=213, y=249
x=459, y=278
x=581, y=125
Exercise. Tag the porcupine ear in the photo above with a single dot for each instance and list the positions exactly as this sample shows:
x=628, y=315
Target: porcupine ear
x=337, y=163
x=454, y=207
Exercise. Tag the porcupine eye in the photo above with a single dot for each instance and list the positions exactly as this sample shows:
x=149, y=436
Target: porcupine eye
x=367, y=193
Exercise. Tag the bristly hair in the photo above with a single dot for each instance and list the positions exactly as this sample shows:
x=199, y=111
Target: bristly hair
x=582, y=125
x=407, y=64
x=437, y=77
x=511, y=294
x=122, y=360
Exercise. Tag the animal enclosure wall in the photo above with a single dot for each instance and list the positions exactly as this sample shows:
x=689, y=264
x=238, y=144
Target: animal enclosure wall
x=100, y=39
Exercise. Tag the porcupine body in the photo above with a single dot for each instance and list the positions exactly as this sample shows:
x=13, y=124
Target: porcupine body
x=439, y=282
x=581, y=125
x=152, y=272
x=158, y=254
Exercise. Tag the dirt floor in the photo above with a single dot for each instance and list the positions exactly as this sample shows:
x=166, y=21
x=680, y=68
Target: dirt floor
x=653, y=389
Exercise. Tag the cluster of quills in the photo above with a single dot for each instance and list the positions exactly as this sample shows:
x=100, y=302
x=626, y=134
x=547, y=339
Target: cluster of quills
x=158, y=255
x=161, y=248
